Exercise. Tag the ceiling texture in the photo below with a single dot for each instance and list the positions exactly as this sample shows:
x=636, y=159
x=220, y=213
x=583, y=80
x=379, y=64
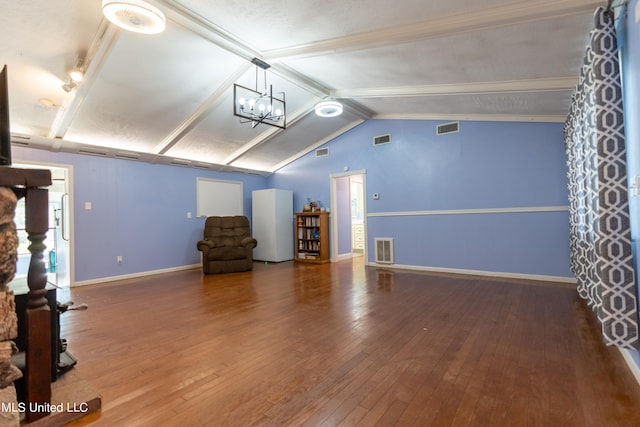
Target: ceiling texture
x=168, y=97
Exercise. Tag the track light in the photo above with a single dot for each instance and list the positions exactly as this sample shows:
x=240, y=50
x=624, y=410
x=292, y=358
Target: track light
x=69, y=85
x=76, y=75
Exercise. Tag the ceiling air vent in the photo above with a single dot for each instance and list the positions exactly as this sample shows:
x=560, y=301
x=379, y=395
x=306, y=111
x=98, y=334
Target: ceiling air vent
x=447, y=128
x=321, y=152
x=382, y=139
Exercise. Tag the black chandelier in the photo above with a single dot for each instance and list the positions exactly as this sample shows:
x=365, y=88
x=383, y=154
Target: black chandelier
x=255, y=107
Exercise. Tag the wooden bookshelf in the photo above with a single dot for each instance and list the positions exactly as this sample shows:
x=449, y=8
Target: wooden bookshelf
x=312, y=237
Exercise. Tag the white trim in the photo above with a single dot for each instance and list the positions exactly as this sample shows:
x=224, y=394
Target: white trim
x=472, y=211
x=343, y=257
x=631, y=362
x=349, y=173
x=437, y=27
x=333, y=226
x=71, y=201
x=476, y=117
x=558, y=84
x=537, y=277
x=134, y=275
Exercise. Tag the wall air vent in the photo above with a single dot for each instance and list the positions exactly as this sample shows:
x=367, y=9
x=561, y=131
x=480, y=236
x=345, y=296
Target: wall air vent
x=321, y=152
x=382, y=139
x=92, y=152
x=127, y=156
x=384, y=250
x=20, y=139
x=447, y=128
x=201, y=165
x=180, y=162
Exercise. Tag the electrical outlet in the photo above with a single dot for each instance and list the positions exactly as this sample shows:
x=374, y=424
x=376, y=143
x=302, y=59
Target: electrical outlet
x=119, y=259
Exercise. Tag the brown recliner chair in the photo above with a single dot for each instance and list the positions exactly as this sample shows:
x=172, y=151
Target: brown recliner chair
x=227, y=245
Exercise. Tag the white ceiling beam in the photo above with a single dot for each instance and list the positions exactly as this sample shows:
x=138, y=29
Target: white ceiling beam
x=500, y=117
x=502, y=87
x=97, y=55
x=226, y=40
x=475, y=20
x=206, y=29
x=200, y=113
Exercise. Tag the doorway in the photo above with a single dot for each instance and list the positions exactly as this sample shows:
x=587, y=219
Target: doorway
x=348, y=217
x=59, y=243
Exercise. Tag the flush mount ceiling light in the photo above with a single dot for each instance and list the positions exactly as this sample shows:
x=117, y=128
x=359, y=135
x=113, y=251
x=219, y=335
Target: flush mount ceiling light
x=328, y=108
x=134, y=15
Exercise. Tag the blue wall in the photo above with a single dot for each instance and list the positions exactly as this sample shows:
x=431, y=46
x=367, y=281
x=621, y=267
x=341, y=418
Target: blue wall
x=487, y=165
x=139, y=211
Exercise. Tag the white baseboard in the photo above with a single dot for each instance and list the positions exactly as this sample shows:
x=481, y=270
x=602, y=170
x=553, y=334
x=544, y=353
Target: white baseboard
x=134, y=275
x=632, y=362
x=500, y=274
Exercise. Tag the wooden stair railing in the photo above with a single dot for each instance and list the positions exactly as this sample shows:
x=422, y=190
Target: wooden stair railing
x=31, y=184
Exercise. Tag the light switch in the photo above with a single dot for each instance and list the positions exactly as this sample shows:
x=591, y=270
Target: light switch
x=87, y=206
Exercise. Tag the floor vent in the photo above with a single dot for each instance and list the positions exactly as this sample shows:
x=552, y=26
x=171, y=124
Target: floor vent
x=321, y=152
x=447, y=128
x=382, y=139
x=384, y=250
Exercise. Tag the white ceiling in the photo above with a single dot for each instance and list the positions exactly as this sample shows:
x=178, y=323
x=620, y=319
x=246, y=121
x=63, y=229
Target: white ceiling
x=169, y=97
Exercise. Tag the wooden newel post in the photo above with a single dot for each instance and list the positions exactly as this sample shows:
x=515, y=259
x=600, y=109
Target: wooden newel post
x=38, y=315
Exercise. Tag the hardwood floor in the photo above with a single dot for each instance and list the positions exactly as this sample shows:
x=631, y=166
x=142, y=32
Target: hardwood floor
x=345, y=345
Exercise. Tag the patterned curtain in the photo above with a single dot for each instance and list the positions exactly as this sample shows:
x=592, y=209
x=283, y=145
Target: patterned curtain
x=600, y=236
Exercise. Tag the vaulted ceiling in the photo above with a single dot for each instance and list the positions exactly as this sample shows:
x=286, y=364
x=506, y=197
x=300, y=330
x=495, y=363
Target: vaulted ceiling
x=168, y=97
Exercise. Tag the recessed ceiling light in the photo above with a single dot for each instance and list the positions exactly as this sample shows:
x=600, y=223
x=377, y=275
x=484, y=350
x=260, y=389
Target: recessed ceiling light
x=46, y=103
x=134, y=15
x=328, y=108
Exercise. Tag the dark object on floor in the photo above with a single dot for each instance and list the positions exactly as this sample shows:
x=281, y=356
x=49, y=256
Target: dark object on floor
x=227, y=245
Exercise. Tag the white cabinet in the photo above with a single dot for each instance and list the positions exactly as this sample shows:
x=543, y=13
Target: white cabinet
x=272, y=224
